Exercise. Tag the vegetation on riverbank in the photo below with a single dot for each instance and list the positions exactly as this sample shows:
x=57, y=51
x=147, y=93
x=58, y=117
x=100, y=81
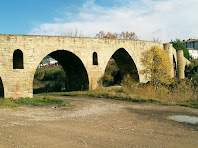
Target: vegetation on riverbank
x=138, y=94
x=49, y=79
x=44, y=101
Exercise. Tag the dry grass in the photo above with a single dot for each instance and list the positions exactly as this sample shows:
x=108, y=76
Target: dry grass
x=173, y=95
x=141, y=94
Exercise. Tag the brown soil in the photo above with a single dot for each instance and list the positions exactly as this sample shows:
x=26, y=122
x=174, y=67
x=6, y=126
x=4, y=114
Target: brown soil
x=97, y=123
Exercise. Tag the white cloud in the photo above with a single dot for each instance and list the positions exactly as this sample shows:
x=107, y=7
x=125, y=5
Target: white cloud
x=166, y=19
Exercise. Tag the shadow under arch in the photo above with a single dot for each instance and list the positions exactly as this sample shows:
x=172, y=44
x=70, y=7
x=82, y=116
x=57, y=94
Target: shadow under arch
x=174, y=65
x=125, y=64
x=76, y=74
x=1, y=89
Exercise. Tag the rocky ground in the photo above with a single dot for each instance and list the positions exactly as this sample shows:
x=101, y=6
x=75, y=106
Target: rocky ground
x=97, y=123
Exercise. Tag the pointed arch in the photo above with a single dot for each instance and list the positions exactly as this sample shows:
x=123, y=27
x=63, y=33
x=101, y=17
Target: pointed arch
x=95, y=58
x=18, y=59
x=125, y=64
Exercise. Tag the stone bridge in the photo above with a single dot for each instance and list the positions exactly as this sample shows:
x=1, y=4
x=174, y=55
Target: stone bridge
x=83, y=59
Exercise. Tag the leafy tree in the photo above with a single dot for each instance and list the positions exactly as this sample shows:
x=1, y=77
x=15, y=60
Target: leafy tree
x=178, y=45
x=156, y=66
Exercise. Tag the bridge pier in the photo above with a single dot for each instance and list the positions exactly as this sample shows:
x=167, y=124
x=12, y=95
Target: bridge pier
x=169, y=49
x=95, y=76
x=18, y=84
x=180, y=64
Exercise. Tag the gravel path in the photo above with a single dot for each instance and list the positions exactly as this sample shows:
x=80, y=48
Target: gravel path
x=97, y=123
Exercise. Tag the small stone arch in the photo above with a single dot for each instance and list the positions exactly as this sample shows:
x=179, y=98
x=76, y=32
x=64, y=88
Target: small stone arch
x=95, y=58
x=18, y=59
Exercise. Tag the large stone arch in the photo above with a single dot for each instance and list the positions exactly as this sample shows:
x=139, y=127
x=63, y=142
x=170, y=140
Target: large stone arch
x=76, y=73
x=125, y=63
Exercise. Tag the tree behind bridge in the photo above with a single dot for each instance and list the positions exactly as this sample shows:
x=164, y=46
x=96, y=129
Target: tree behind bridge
x=123, y=35
x=178, y=45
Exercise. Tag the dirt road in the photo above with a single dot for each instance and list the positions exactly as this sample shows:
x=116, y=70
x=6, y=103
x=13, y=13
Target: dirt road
x=97, y=123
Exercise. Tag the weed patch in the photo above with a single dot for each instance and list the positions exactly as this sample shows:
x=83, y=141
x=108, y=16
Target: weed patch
x=45, y=101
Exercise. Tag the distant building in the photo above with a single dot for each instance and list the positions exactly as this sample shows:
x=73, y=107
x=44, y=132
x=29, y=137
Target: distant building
x=193, y=53
x=192, y=46
x=47, y=62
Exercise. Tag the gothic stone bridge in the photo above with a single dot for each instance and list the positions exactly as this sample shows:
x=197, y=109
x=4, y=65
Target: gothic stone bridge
x=83, y=59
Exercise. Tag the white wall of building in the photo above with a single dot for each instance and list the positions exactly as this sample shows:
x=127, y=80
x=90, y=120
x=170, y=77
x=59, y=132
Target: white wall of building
x=193, y=53
x=192, y=46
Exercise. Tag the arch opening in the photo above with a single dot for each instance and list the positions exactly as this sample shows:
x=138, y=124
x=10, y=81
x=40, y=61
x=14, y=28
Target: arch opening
x=120, y=65
x=18, y=59
x=174, y=65
x=70, y=73
x=1, y=89
x=95, y=58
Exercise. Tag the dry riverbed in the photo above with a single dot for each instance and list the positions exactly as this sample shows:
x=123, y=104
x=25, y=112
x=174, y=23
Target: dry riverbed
x=97, y=123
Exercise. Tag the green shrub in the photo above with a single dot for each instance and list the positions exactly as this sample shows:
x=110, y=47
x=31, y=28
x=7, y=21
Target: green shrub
x=39, y=75
x=49, y=79
x=56, y=86
x=112, y=74
x=129, y=82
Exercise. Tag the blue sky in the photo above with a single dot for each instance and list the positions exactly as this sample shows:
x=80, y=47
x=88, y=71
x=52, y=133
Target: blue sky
x=163, y=19
x=19, y=16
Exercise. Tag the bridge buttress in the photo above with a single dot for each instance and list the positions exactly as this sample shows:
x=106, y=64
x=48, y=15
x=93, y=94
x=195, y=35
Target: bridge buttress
x=180, y=64
x=169, y=49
